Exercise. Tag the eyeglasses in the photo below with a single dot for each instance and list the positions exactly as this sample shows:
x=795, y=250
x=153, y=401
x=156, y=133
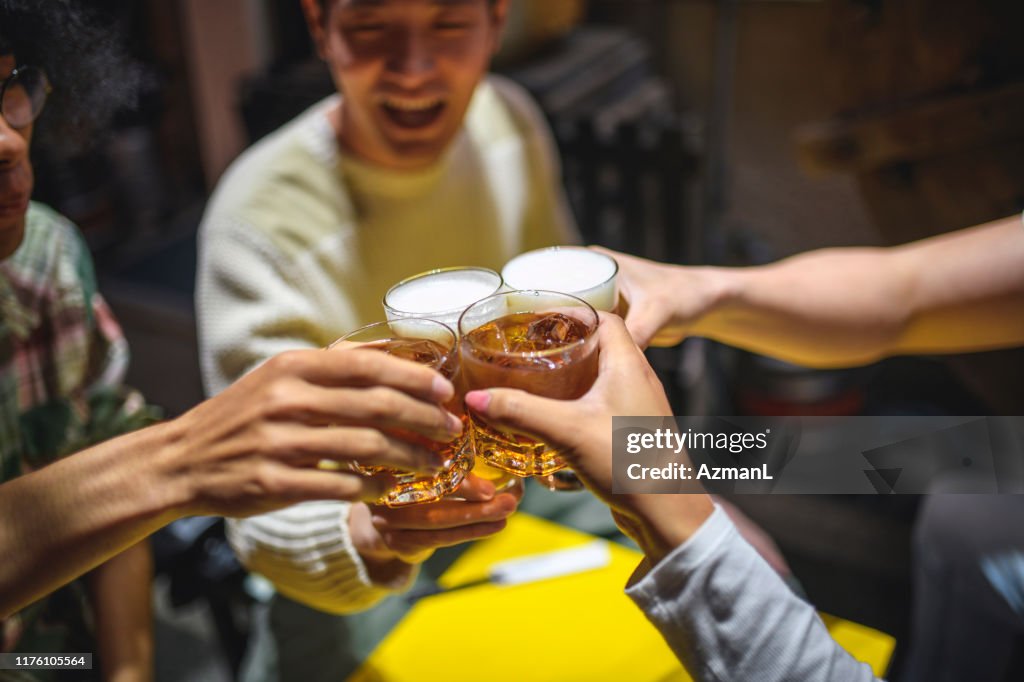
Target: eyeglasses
x=23, y=94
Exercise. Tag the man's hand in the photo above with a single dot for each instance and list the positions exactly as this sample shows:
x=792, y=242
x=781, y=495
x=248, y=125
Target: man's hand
x=385, y=537
x=255, y=447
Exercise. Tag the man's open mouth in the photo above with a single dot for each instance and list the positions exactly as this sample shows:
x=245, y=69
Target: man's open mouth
x=412, y=112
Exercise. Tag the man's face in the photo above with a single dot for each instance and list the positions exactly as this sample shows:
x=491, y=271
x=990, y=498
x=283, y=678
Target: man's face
x=408, y=70
x=15, y=176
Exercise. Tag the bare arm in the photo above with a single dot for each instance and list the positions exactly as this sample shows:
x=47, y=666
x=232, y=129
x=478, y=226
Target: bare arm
x=120, y=592
x=958, y=292
x=251, y=449
x=71, y=516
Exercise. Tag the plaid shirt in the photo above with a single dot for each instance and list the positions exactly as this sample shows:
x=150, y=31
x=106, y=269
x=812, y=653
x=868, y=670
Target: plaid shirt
x=62, y=361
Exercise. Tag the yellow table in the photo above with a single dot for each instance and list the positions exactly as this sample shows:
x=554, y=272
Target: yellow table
x=577, y=627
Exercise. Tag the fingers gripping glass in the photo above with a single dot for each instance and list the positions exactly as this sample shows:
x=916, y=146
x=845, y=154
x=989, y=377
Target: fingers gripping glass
x=23, y=95
x=432, y=344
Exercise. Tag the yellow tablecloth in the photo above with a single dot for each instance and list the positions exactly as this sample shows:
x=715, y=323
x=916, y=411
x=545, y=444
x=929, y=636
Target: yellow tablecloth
x=578, y=627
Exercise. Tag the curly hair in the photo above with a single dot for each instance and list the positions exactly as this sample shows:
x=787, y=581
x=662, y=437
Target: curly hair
x=92, y=76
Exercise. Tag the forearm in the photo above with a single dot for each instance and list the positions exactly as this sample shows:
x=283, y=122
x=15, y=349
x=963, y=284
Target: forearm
x=968, y=290
x=120, y=590
x=728, y=616
x=69, y=517
x=838, y=307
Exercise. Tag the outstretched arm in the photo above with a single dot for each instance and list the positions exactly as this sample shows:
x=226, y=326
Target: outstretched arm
x=957, y=292
x=251, y=449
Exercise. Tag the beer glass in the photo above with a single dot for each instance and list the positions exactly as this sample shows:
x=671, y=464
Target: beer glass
x=543, y=342
x=574, y=270
x=429, y=343
x=442, y=295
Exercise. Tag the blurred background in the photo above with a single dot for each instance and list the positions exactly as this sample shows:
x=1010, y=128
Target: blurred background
x=692, y=131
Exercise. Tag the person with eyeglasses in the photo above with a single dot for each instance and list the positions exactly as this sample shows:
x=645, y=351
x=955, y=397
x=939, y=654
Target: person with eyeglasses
x=81, y=485
x=63, y=359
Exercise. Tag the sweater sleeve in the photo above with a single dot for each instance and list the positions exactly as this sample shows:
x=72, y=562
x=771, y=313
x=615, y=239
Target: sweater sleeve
x=253, y=302
x=728, y=616
x=306, y=552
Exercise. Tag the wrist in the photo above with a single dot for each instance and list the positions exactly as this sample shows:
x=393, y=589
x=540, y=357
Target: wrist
x=170, y=473
x=667, y=521
x=722, y=288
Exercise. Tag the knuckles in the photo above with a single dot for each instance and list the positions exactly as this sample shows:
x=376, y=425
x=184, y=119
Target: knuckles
x=269, y=441
x=381, y=404
x=267, y=479
x=284, y=397
x=288, y=363
x=363, y=366
x=506, y=406
x=369, y=443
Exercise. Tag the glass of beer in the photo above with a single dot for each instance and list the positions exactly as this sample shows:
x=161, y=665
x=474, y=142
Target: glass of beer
x=440, y=294
x=443, y=295
x=574, y=270
x=429, y=343
x=543, y=342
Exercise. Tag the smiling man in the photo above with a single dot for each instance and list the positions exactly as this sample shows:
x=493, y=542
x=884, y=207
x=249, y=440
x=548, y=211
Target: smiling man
x=420, y=161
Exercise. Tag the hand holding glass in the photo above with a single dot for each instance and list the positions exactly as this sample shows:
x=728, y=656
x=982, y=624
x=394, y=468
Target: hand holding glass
x=432, y=344
x=542, y=342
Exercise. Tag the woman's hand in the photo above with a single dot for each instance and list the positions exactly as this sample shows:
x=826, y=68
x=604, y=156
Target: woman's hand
x=582, y=430
x=665, y=301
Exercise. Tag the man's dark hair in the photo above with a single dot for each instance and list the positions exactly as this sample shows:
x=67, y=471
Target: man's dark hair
x=90, y=71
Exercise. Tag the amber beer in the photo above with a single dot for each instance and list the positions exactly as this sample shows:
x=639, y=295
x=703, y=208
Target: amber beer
x=429, y=343
x=542, y=342
x=443, y=295
x=574, y=270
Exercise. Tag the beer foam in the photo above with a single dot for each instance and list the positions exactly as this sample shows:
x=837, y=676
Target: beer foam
x=576, y=271
x=440, y=292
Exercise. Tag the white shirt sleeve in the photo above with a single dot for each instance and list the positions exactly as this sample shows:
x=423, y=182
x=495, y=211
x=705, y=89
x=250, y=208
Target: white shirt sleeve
x=729, y=617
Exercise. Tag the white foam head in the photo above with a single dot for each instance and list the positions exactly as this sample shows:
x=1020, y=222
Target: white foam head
x=569, y=269
x=441, y=295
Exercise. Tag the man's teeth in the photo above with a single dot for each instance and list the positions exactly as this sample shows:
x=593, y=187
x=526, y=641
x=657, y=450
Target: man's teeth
x=412, y=104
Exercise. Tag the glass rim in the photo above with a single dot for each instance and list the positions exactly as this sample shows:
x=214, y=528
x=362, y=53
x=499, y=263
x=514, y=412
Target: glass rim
x=569, y=247
x=437, y=271
x=404, y=320
x=532, y=353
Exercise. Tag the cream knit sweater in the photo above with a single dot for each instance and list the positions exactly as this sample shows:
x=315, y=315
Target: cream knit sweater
x=298, y=245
